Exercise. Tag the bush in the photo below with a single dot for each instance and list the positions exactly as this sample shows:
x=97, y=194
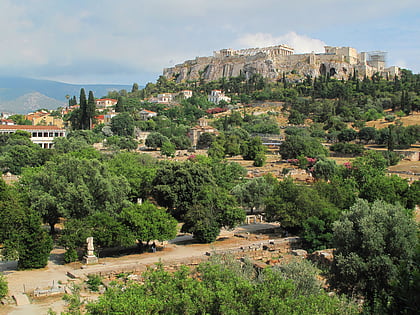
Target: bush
x=259, y=159
x=3, y=287
x=390, y=118
x=70, y=255
x=347, y=148
x=93, y=282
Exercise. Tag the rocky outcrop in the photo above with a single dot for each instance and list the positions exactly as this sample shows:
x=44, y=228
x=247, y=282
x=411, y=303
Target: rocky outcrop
x=294, y=67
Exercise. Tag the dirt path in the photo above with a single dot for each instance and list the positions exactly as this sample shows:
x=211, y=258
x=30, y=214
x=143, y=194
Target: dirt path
x=56, y=271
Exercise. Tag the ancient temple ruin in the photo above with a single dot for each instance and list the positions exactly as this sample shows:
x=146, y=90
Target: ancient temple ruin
x=275, y=62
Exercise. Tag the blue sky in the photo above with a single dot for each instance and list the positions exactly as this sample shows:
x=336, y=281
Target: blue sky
x=127, y=41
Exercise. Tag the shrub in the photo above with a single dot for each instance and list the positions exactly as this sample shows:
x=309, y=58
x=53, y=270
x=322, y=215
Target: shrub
x=3, y=287
x=70, y=255
x=93, y=282
x=347, y=148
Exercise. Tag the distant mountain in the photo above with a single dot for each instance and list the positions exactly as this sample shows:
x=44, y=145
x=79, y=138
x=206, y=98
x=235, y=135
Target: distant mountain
x=22, y=95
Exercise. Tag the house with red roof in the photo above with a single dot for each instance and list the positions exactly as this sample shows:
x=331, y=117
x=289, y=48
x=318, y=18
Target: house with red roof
x=147, y=114
x=41, y=135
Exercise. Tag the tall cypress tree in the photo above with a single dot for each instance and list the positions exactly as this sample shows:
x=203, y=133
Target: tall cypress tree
x=83, y=109
x=90, y=110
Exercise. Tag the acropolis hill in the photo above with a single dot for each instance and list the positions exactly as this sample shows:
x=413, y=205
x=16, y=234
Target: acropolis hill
x=276, y=61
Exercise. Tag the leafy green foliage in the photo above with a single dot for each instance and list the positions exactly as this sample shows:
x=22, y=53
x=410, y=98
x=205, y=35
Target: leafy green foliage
x=138, y=169
x=168, y=149
x=21, y=233
x=252, y=194
x=155, y=140
x=372, y=241
x=147, y=222
x=291, y=205
x=214, y=209
x=222, y=288
x=93, y=282
x=352, y=149
x=18, y=151
x=121, y=143
x=177, y=185
x=35, y=244
x=70, y=255
x=295, y=146
x=123, y=125
x=73, y=188
x=4, y=289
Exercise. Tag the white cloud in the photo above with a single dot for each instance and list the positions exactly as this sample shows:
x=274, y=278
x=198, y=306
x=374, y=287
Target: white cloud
x=301, y=43
x=401, y=63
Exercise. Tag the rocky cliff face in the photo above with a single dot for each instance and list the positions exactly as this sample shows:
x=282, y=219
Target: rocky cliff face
x=295, y=67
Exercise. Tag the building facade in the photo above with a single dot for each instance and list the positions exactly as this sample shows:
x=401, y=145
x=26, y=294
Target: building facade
x=41, y=135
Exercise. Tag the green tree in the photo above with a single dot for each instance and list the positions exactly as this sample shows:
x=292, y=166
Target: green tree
x=216, y=150
x=178, y=186
x=123, y=125
x=324, y=169
x=205, y=140
x=222, y=286
x=295, y=146
x=90, y=111
x=372, y=241
x=120, y=106
x=83, y=120
x=18, y=152
x=20, y=119
x=292, y=205
x=121, y=143
x=296, y=118
x=253, y=193
x=347, y=135
x=250, y=149
x=35, y=244
x=148, y=222
x=138, y=169
x=215, y=208
x=168, y=149
x=367, y=134
x=155, y=140
x=73, y=188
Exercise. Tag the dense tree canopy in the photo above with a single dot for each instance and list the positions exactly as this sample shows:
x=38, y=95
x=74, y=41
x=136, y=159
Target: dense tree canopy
x=373, y=241
x=222, y=288
x=73, y=188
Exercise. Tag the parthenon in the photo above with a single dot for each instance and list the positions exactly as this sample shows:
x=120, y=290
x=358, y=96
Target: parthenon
x=278, y=50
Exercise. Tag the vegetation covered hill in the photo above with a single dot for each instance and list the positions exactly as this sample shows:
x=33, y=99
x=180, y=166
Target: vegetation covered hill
x=355, y=207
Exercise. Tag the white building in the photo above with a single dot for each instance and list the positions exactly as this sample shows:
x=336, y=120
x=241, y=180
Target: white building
x=216, y=96
x=186, y=93
x=147, y=114
x=41, y=135
x=164, y=98
x=105, y=102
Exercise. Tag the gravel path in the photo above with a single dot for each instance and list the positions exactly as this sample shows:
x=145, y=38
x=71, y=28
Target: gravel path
x=56, y=271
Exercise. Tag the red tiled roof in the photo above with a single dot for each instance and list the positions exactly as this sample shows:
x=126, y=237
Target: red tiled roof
x=28, y=127
x=106, y=99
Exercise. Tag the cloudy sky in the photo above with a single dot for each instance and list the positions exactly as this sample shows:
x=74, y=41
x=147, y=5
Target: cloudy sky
x=126, y=41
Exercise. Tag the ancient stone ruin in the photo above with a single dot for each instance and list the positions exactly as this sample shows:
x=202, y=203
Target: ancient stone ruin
x=279, y=62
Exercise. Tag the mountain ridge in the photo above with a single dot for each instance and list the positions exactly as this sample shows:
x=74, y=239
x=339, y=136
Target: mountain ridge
x=21, y=95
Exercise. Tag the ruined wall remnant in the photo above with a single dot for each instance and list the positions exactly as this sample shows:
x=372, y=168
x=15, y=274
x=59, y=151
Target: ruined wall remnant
x=276, y=61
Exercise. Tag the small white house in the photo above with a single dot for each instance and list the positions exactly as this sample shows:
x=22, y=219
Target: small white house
x=216, y=96
x=147, y=114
